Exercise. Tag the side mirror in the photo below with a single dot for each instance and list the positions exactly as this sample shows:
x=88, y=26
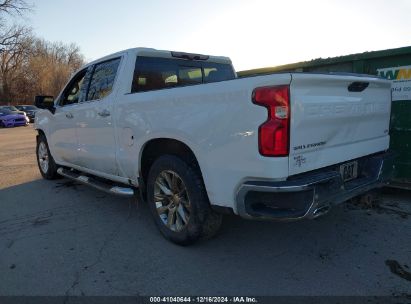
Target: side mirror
x=45, y=102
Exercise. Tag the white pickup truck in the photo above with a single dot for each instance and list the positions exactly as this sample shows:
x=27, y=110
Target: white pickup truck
x=195, y=141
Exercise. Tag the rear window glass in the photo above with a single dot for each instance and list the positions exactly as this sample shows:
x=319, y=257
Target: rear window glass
x=152, y=73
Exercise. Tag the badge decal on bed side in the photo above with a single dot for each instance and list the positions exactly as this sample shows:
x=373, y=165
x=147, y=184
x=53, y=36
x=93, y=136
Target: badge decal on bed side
x=308, y=146
x=299, y=161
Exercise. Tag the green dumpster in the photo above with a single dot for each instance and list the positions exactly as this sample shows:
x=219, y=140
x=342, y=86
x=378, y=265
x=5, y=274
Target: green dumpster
x=393, y=64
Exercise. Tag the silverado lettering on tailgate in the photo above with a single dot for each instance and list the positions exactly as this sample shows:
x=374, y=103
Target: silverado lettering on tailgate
x=345, y=108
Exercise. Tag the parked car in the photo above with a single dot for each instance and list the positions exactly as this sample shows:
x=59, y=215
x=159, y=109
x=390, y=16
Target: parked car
x=11, y=119
x=30, y=111
x=16, y=111
x=13, y=109
x=197, y=142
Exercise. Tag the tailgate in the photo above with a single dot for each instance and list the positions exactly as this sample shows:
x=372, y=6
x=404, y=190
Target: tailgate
x=335, y=118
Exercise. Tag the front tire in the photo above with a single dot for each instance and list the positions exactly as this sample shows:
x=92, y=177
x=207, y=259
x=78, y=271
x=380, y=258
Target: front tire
x=179, y=202
x=45, y=161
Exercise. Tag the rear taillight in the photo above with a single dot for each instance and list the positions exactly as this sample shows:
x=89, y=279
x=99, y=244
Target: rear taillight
x=274, y=133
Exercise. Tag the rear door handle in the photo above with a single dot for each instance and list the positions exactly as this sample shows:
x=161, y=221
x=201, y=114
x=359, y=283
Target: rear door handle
x=104, y=113
x=69, y=115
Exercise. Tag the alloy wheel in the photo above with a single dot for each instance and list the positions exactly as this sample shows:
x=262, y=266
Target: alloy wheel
x=43, y=157
x=171, y=200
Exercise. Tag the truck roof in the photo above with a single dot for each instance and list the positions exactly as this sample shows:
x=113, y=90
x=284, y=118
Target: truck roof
x=150, y=52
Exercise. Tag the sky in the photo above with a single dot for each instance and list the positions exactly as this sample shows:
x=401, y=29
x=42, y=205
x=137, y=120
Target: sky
x=254, y=33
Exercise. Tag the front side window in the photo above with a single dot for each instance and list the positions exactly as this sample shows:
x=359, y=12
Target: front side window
x=71, y=94
x=102, y=79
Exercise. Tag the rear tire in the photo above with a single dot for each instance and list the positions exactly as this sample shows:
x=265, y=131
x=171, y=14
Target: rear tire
x=45, y=161
x=179, y=203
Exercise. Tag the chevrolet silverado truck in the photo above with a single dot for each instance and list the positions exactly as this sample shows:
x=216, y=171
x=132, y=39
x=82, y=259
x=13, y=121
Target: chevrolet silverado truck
x=195, y=141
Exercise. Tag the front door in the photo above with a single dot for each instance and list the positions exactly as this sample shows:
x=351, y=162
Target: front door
x=63, y=141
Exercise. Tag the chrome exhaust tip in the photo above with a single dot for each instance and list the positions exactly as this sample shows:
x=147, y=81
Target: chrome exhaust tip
x=320, y=211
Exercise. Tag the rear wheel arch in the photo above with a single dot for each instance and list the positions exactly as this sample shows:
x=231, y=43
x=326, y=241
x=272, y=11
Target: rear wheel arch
x=155, y=148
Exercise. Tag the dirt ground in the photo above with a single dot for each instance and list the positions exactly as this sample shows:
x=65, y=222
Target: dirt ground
x=61, y=238
x=17, y=156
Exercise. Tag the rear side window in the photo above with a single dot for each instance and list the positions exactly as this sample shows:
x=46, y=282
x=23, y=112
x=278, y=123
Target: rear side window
x=102, y=79
x=152, y=73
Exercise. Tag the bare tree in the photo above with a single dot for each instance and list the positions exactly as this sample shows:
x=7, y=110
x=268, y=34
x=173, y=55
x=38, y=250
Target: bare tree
x=52, y=64
x=13, y=40
x=31, y=66
x=13, y=7
x=12, y=58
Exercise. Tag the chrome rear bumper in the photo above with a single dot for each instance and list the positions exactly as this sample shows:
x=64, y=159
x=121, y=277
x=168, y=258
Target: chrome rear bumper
x=311, y=194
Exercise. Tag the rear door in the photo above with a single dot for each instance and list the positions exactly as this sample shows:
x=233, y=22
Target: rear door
x=94, y=119
x=335, y=118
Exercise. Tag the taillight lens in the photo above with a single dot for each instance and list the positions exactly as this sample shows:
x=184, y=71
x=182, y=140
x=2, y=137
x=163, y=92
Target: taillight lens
x=274, y=133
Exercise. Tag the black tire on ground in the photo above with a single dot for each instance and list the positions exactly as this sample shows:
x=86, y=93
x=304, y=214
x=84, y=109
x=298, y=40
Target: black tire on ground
x=202, y=221
x=49, y=171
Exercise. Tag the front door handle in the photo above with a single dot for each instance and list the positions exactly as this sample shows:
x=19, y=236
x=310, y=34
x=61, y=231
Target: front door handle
x=104, y=113
x=69, y=115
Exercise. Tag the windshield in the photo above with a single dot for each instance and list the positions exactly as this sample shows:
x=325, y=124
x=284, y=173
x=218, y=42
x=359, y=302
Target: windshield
x=27, y=108
x=11, y=108
x=4, y=111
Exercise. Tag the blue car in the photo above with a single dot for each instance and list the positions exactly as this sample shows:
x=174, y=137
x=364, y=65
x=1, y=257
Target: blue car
x=10, y=119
